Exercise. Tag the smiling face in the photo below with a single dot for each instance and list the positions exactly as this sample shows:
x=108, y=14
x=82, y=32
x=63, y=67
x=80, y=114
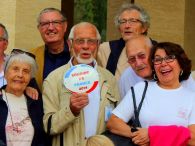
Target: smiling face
x=18, y=76
x=84, y=44
x=138, y=53
x=167, y=73
x=52, y=28
x=130, y=29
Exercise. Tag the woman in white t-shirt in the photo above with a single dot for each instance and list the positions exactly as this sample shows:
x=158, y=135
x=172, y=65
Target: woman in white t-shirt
x=21, y=116
x=167, y=104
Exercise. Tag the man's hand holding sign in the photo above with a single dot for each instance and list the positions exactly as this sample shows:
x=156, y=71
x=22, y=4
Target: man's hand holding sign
x=80, y=80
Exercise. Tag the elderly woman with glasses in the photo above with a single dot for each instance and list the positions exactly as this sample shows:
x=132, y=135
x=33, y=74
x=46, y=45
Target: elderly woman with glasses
x=21, y=116
x=167, y=115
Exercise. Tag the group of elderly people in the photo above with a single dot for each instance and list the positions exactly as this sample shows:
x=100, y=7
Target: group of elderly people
x=66, y=118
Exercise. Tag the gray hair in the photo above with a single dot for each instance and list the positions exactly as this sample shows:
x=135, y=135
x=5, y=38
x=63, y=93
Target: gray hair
x=5, y=34
x=71, y=34
x=23, y=58
x=145, y=18
x=50, y=10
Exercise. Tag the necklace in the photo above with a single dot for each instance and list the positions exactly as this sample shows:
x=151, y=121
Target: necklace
x=14, y=127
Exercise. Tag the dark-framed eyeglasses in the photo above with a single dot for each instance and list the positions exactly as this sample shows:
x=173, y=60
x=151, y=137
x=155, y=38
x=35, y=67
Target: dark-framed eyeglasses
x=55, y=23
x=129, y=21
x=19, y=51
x=158, y=60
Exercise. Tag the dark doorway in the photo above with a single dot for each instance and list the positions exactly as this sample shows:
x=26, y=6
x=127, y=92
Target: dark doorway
x=94, y=11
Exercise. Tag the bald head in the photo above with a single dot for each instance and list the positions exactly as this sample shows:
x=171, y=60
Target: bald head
x=138, y=51
x=138, y=41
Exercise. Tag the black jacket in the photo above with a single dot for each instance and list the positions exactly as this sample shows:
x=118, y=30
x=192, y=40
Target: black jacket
x=35, y=110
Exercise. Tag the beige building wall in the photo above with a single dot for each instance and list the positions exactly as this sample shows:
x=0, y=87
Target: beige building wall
x=189, y=30
x=7, y=17
x=19, y=17
x=171, y=20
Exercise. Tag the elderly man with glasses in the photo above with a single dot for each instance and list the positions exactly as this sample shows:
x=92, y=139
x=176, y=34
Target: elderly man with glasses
x=52, y=25
x=138, y=54
x=72, y=117
x=130, y=20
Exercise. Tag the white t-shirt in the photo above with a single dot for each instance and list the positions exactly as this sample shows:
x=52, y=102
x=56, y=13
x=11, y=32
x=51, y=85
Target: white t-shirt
x=160, y=106
x=21, y=134
x=130, y=78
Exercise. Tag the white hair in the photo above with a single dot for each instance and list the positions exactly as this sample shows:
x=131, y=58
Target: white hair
x=71, y=34
x=23, y=58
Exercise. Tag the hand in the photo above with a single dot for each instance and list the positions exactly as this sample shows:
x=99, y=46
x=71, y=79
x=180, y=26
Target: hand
x=32, y=92
x=77, y=102
x=141, y=137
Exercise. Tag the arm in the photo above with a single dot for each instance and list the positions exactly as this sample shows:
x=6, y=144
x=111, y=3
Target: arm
x=118, y=126
x=56, y=103
x=141, y=137
x=192, y=131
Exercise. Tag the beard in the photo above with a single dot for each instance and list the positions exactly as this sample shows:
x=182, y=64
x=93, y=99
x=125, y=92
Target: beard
x=81, y=60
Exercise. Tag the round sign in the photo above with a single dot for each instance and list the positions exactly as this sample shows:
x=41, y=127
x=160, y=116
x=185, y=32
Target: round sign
x=81, y=78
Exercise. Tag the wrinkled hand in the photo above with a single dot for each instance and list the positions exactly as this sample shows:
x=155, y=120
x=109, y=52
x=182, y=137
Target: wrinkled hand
x=32, y=92
x=77, y=102
x=141, y=137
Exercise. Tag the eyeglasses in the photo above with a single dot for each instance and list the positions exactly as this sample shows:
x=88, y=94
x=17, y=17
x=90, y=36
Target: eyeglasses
x=167, y=59
x=2, y=39
x=132, y=59
x=81, y=41
x=18, y=51
x=55, y=23
x=129, y=21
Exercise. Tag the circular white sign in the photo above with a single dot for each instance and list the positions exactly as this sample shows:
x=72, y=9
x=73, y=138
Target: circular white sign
x=81, y=78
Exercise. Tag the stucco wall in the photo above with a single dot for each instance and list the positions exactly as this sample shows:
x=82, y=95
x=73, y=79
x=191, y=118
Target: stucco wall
x=19, y=16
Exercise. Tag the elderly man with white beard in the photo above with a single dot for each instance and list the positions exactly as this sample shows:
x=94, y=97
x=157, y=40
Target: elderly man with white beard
x=67, y=114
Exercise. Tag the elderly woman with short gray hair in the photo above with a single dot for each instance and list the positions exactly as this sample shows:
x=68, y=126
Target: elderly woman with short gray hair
x=21, y=116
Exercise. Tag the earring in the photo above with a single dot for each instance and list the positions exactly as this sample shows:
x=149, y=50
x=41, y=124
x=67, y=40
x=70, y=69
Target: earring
x=181, y=73
x=154, y=77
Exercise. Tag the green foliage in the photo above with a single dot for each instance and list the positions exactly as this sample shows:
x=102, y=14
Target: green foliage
x=94, y=11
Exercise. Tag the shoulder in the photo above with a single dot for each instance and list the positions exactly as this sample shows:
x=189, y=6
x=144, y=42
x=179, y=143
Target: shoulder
x=57, y=73
x=130, y=76
x=37, y=50
x=189, y=83
x=104, y=72
x=106, y=75
x=104, y=47
x=127, y=72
